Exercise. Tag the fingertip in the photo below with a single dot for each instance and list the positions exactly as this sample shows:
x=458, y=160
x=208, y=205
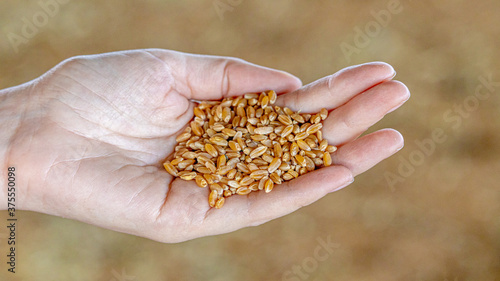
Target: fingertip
x=367, y=74
x=395, y=137
x=402, y=89
x=390, y=138
x=347, y=183
x=397, y=91
x=294, y=82
x=382, y=69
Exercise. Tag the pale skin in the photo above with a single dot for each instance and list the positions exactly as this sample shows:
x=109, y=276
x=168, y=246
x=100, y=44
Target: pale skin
x=88, y=138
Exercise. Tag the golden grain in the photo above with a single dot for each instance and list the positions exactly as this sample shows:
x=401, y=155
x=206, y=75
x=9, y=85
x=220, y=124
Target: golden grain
x=187, y=176
x=323, y=113
x=310, y=166
x=287, y=176
x=183, y=137
x=303, y=145
x=294, y=149
x=231, y=174
x=170, y=169
x=265, y=102
x=285, y=119
x=284, y=166
x=234, y=146
x=251, y=96
x=275, y=178
x=252, y=167
x=210, y=149
x=259, y=112
x=331, y=148
x=315, y=119
x=267, y=158
x=176, y=161
x=272, y=96
x=318, y=162
x=210, y=178
x=243, y=190
x=298, y=118
x=189, y=155
x=258, y=174
x=327, y=159
x=233, y=161
x=286, y=131
x=233, y=183
x=217, y=188
x=301, y=136
x=293, y=173
x=274, y=165
x=212, y=198
x=310, y=141
x=263, y=130
x=244, y=144
x=203, y=170
x=258, y=151
x=268, y=186
x=196, y=128
x=246, y=181
x=226, y=114
x=243, y=167
x=314, y=128
x=220, y=203
x=300, y=160
x=224, y=170
x=258, y=137
x=254, y=186
x=217, y=140
x=184, y=163
x=229, y=132
x=286, y=157
x=211, y=166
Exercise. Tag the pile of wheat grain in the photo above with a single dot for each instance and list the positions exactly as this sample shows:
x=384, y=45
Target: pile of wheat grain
x=244, y=144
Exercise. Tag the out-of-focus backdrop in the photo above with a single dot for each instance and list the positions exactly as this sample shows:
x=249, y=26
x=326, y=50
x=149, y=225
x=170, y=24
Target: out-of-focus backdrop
x=432, y=212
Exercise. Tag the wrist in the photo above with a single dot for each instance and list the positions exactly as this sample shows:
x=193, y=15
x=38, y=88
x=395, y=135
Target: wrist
x=13, y=106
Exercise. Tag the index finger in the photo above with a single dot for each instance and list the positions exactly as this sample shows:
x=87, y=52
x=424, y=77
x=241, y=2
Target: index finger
x=204, y=77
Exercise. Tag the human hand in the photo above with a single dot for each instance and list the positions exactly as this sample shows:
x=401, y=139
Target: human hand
x=93, y=137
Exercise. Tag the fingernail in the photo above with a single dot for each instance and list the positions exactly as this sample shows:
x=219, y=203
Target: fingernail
x=344, y=185
x=393, y=75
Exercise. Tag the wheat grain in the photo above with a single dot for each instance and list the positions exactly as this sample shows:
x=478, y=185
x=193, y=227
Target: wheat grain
x=268, y=186
x=327, y=159
x=247, y=143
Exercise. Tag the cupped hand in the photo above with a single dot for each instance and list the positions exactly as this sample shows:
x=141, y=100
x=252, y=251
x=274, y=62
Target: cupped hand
x=97, y=128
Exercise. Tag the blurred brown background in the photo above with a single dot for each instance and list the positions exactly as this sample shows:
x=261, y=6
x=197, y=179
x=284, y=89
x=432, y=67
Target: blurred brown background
x=416, y=216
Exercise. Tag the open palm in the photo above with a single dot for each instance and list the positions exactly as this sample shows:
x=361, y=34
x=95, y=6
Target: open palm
x=98, y=128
